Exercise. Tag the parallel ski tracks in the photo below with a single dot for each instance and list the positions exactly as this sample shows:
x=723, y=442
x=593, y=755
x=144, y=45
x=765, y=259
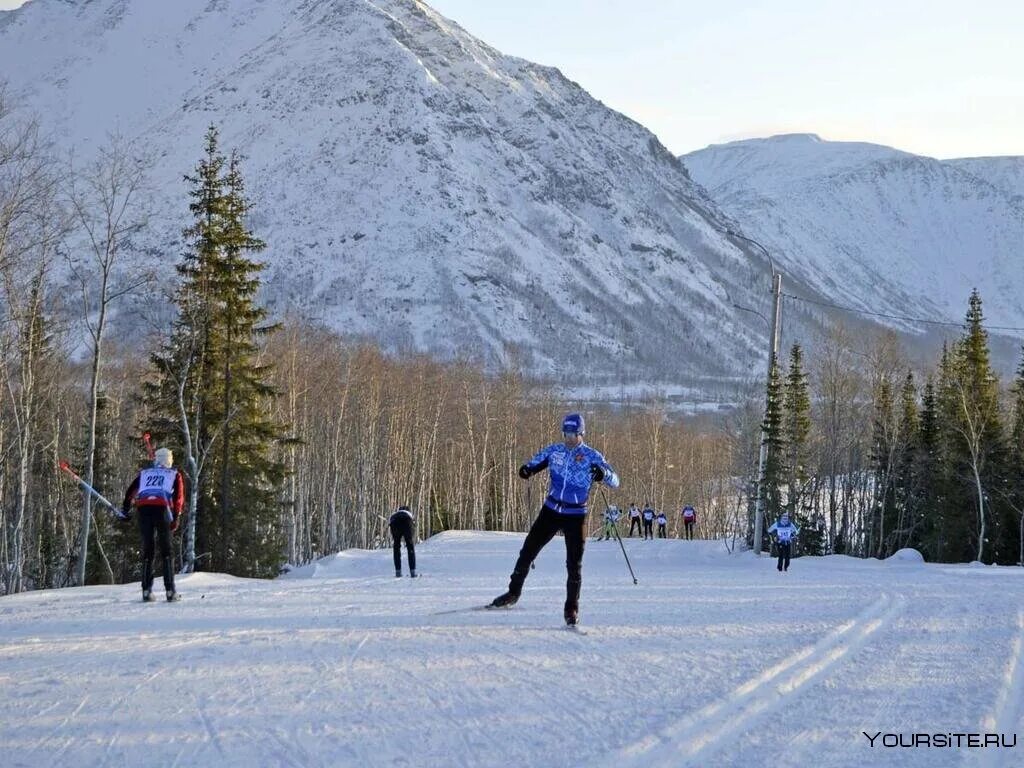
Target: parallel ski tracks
x=691, y=740
x=1007, y=711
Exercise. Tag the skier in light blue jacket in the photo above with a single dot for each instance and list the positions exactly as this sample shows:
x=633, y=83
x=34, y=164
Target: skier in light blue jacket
x=574, y=467
x=784, y=531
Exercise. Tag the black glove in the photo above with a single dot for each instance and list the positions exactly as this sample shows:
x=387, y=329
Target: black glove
x=125, y=515
x=524, y=472
x=596, y=473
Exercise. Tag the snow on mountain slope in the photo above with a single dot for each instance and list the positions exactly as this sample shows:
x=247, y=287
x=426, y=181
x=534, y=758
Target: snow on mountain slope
x=413, y=183
x=713, y=660
x=878, y=228
x=1004, y=173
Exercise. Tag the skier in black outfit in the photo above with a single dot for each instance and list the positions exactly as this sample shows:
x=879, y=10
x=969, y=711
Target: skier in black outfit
x=573, y=467
x=648, y=522
x=785, y=531
x=689, y=518
x=158, y=493
x=402, y=524
x=634, y=519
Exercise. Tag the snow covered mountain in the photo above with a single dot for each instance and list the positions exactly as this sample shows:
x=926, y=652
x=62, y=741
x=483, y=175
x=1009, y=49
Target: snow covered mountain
x=877, y=228
x=414, y=184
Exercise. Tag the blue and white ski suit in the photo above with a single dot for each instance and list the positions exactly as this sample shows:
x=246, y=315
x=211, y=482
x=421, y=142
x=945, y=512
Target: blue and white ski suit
x=571, y=475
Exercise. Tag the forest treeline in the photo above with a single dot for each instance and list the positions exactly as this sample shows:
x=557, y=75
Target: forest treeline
x=298, y=441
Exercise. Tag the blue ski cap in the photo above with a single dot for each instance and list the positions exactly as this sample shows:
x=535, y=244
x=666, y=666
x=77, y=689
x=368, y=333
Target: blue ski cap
x=573, y=424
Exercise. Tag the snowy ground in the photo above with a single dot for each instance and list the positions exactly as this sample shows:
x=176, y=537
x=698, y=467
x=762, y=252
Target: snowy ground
x=713, y=660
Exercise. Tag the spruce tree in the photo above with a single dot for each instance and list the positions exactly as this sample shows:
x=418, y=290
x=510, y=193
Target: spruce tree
x=1014, y=479
x=929, y=469
x=883, y=450
x=796, y=435
x=775, y=458
x=906, y=532
x=975, y=441
x=211, y=367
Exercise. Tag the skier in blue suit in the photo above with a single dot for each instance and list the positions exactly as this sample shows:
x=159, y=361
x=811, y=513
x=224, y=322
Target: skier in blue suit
x=573, y=467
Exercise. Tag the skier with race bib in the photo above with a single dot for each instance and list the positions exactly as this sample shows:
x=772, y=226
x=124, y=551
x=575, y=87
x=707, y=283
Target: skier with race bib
x=784, y=532
x=158, y=496
x=634, y=519
x=662, y=522
x=611, y=518
x=573, y=467
x=648, y=522
x=689, y=518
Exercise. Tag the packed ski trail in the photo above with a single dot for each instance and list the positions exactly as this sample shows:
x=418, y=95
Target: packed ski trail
x=712, y=660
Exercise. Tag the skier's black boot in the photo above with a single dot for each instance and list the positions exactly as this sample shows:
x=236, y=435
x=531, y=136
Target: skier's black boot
x=172, y=596
x=398, y=573
x=147, y=596
x=412, y=573
x=515, y=588
x=506, y=600
x=571, y=612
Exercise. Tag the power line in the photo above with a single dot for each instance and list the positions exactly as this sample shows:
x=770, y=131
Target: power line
x=905, y=318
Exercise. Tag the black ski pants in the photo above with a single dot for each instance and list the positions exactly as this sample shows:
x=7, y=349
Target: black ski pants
x=688, y=525
x=662, y=533
x=152, y=520
x=544, y=528
x=634, y=522
x=401, y=529
x=648, y=528
x=784, y=550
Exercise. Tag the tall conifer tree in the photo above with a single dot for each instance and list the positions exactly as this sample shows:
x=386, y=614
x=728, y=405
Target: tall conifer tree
x=796, y=429
x=907, y=481
x=972, y=424
x=775, y=459
x=213, y=357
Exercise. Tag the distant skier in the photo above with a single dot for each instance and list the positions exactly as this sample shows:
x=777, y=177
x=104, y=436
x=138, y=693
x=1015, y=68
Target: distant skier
x=611, y=519
x=784, y=532
x=689, y=518
x=158, y=494
x=648, y=522
x=402, y=524
x=573, y=467
x=634, y=519
x=662, y=522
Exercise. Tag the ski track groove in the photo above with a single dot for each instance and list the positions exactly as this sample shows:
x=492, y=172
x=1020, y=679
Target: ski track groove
x=211, y=731
x=1006, y=712
x=693, y=739
x=59, y=729
x=439, y=706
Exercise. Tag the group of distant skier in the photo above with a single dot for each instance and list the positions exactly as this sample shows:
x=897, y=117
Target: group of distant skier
x=648, y=516
x=157, y=498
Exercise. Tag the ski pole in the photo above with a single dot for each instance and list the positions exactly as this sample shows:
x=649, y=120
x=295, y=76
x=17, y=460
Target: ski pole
x=617, y=536
x=89, y=489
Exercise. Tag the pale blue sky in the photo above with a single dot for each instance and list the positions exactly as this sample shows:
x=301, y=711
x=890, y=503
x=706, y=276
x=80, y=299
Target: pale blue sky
x=939, y=77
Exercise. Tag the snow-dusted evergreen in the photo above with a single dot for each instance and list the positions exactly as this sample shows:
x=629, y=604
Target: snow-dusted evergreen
x=412, y=183
x=878, y=228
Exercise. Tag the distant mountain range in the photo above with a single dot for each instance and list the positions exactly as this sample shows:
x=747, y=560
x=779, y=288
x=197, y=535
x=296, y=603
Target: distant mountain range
x=421, y=188
x=877, y=228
